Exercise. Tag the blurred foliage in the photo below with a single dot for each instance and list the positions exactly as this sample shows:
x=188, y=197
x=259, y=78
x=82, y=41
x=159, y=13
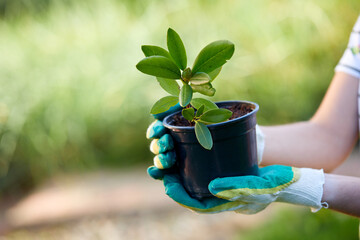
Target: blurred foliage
x=72, y=99
x=304, y=225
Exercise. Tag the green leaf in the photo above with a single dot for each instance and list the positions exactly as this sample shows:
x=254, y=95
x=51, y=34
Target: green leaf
x=176, y=48
x=198, y=102
x=205, y=89
x=200, y=111
x=214, y=74
x=215, y=116
x=150, y=50
x=164, y=104
x=203, y=135
x=159, y=66
x=186, y=74
x=185, y=96
x=213, y=56
x=188, y=113
x=169, y=85
x=199, y=78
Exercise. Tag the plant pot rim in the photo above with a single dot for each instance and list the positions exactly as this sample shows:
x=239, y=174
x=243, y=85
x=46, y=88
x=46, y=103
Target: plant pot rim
x=169, y=126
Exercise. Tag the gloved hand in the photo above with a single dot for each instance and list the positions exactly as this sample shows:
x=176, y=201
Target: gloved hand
x=162, y=145
x=276, y=183
x=251, y=194
x=245, y=194
x=164, y=160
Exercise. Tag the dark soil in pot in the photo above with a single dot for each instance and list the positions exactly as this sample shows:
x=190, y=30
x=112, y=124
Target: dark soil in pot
x=238, y=110
x=233, y=153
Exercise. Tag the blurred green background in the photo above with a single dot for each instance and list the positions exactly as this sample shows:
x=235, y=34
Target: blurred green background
x=71, y=98
x=301, y=224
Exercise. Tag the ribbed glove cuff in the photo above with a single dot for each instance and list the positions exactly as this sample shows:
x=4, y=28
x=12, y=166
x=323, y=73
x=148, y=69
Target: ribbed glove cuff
x=307, y=191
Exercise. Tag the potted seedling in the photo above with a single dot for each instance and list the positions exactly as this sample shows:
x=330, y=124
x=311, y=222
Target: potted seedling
x=211, y=139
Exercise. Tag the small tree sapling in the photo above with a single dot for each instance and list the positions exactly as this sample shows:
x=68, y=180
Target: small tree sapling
x=170, y=65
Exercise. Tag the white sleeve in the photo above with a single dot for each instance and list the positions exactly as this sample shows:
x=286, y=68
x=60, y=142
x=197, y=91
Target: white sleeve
x=350, y=61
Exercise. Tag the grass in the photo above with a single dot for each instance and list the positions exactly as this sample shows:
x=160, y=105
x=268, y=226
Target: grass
x=71, y=98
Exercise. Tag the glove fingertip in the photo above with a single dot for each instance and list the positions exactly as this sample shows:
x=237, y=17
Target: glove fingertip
x=173, y=109
x=154, y=147
x=155, y=173
x=213, y=187
x=155, y=130
x=157, y=162
x=224, y=188
x=150, y=131
x=165, y=143
x=165, y=160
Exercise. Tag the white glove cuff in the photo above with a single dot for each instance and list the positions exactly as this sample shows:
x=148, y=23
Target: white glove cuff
x=307, y=191
x=260, y=142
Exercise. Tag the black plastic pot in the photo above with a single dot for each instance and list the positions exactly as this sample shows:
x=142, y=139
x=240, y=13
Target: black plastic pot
x=233, y=154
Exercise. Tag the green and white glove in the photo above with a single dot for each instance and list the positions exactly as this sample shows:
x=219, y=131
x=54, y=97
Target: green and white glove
x=243, y=194
x=162, y=145
x=276, y=183
x=163, y=148
x=164, y=161
x=252, y=194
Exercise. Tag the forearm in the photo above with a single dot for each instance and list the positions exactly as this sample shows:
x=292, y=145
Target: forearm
x=302, y=144
x=325, y=140
x=342, y=193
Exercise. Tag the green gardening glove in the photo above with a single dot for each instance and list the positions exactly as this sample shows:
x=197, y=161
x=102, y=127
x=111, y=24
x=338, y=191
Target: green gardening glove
x=245, y=194
x=175, y=190
x=251, y=194
x=164, y=161
x=300, y=186
x=162, y=146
